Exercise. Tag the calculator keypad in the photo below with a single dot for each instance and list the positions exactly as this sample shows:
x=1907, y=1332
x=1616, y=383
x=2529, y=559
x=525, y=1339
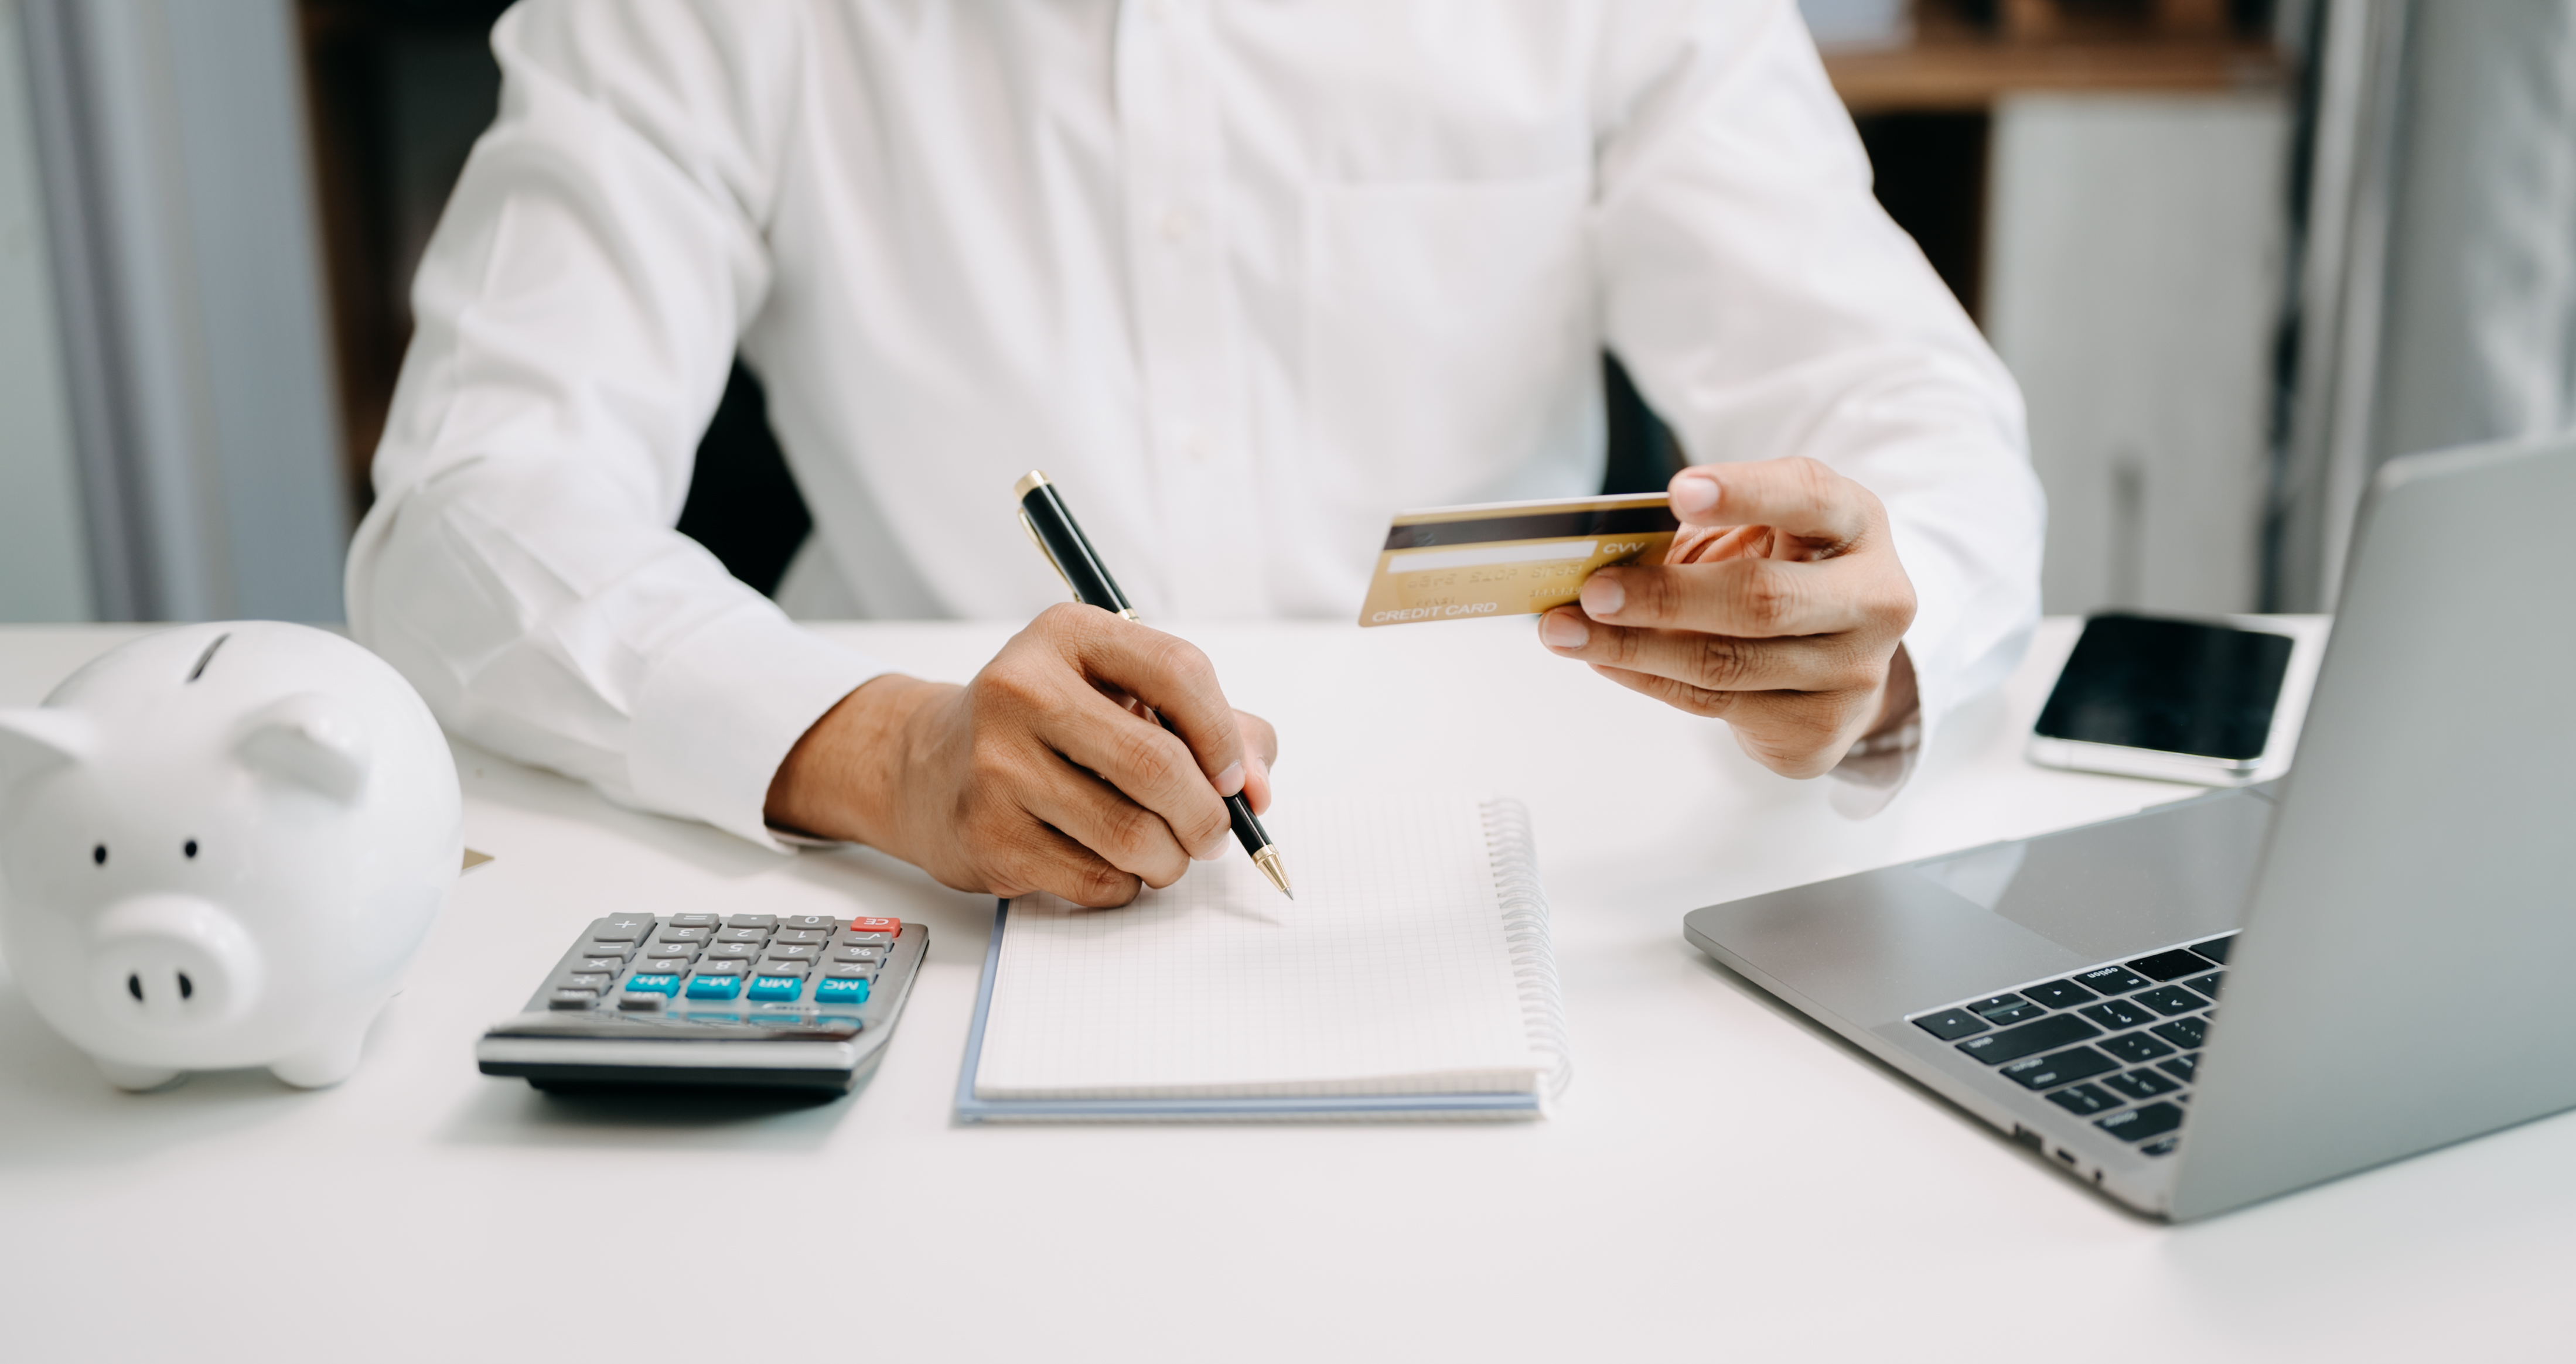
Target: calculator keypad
x=754, y=970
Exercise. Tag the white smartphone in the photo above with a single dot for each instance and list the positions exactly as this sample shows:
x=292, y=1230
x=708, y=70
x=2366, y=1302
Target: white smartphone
x=2166, y=697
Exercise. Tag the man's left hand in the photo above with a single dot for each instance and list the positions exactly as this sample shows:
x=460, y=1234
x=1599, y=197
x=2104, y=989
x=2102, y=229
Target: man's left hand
x=1779, y=608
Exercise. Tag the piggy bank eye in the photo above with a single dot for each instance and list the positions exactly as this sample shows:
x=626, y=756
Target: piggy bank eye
x=191, y=849
x=99, y=854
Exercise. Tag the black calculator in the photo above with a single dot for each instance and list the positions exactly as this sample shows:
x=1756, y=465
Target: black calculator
x=775, y=1001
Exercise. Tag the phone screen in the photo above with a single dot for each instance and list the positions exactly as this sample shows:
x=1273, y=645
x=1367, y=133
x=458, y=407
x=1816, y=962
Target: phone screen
x=2174, y=685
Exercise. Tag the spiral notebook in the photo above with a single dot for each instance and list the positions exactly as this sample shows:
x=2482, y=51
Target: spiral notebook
x=1411, y=977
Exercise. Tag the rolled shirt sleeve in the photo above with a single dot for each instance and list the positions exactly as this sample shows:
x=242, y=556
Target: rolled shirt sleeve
x=1768, y=307
x=576, y=316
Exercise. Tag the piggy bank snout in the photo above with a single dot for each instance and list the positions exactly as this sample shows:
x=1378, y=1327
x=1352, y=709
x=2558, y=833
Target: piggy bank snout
x=172, y=961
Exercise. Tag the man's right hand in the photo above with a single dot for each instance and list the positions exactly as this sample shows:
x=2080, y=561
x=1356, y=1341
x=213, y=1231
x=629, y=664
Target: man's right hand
x=1039, y=774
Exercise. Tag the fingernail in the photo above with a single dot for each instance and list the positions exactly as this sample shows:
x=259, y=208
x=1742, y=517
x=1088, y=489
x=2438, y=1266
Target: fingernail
x=1563, y=630
x=1260, y=768
x=1603, y=597
x=1230, y=781
x=1694, y=493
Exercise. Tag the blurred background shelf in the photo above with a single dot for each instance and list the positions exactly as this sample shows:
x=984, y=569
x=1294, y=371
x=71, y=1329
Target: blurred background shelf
x=1942, y=55
x=2105, y=186
x=1970, y=73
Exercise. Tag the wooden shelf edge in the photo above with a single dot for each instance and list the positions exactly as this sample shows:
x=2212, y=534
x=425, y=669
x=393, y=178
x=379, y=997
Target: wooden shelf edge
x=1931, y=77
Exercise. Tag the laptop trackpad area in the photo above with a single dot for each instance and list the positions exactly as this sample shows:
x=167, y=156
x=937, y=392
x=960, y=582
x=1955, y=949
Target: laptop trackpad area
x=2126, y=886
x=1885, y=943
x=1874, y=946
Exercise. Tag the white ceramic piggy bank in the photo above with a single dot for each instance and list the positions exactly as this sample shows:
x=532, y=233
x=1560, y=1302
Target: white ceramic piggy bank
x=218, y=847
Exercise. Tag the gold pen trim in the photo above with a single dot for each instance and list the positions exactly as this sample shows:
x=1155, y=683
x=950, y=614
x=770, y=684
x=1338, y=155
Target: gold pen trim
x=1268, y=860
x=1033, y=479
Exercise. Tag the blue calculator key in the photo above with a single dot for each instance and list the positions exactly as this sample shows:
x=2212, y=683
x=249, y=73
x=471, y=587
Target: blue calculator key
x=841, y=992
x=777, y=987
x=715, y=987
x=644, y=983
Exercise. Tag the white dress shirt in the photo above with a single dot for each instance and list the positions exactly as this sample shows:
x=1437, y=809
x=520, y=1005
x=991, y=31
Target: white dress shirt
x=1245, y=276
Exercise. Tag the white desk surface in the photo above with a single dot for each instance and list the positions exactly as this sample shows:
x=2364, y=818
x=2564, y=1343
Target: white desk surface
x=1723, y=1180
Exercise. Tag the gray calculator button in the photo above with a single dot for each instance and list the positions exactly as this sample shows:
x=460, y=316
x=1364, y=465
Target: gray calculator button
x=811, y=935
x=683, y=934
x=682, y=950
x=693, y=921
x=749, y=935
x=621, y=928
x=734, y=950
x=783, y=966
x=764, y=922
x=611, y=965
x=572, y=999
x=850, y=970
x=721, y=966
x=824, y=922
x=586, y=980
x=794, y=951
x=640, y=1004
x=866, y=939
x=846, y=952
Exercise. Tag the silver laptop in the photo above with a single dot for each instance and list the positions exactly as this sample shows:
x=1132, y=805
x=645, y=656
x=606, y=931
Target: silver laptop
x=2406, y=897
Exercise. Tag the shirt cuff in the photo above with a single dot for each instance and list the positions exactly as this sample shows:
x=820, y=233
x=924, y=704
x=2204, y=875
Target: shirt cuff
x=1876, y=768
x=720, y=711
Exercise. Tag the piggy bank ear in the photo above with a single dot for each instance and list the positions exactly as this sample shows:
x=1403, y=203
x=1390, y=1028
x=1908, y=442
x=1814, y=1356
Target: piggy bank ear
x=39, y=740
x=307, y=740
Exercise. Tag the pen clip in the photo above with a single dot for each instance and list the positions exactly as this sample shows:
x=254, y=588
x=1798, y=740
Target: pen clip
x=1049, y=555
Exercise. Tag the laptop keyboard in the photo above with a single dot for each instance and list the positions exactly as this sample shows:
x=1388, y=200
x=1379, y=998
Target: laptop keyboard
x=2119, y=1043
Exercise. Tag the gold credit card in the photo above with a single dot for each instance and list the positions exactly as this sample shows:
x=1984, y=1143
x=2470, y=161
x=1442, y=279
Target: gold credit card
x=1509, y=558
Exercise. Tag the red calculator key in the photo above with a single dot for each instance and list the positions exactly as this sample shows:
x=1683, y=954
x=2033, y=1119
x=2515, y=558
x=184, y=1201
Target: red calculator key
x=876, y=926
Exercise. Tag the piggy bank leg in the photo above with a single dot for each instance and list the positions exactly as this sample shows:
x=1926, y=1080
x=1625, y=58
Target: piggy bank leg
x=323, y=1066
x=135, y=1079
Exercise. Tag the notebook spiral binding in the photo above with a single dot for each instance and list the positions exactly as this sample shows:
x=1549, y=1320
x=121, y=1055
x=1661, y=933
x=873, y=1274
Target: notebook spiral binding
x=1514, y=855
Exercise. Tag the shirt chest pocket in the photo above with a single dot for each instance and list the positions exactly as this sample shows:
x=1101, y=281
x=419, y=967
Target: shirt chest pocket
x=1449, y=339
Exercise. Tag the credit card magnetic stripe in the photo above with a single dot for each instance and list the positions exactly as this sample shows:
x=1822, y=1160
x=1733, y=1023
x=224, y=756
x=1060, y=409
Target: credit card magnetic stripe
x=1553, y=525
x=1509, y=558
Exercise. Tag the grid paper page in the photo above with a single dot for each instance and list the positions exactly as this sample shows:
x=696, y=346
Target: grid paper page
x=1389, y=973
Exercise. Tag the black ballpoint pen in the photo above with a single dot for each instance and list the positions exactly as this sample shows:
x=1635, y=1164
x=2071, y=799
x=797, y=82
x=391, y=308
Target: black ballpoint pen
x=1051, y=528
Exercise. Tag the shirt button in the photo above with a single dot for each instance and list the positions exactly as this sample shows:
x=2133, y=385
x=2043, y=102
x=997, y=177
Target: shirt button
x=1196, y=447
x=1176, y=225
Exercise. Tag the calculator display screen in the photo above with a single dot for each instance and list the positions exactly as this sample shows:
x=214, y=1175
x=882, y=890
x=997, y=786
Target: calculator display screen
x=2172, y=685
